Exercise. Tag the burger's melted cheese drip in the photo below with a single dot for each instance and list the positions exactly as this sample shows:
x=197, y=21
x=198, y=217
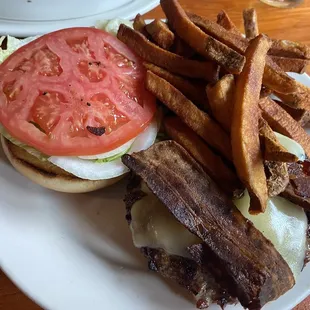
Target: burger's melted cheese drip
x=153, y=226
x=283, y=223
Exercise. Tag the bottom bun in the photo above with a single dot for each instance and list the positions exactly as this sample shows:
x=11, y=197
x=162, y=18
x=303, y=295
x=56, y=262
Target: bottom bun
x=49, y=175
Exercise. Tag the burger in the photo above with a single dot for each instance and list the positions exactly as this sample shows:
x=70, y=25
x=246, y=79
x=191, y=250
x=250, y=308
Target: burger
x=192, y=232
x=72, y=103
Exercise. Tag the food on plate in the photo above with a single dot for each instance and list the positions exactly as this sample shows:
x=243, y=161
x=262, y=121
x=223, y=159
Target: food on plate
x=192, y=90
x=170, y=61
x=272, y=149
x=224, y=20
x=287, y=64
x=211, y=163
x=173, y=205
x=181, y=48
x=285, y=48
x=220, y=208
x=170, y=215
x=205, y=45
x=298, y=190
x=281, y=48
x=211, y=28
x=199, y=121
x=298, y=99
x=139, y=25
x=220, y=96
x=75, y=104
x=286, y=88
x=250, y=23
x=302, y=116
x=277, y=177
x=280, y=121
x=244, y=133
x=160, y=33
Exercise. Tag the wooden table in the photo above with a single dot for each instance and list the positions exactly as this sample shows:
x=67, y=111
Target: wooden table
x=290, y=24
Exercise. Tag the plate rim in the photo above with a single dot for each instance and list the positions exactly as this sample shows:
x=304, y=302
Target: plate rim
x=23, y=28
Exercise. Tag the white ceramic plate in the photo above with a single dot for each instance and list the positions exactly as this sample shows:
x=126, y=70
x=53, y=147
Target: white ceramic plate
x=23, y=18
x=75, y=251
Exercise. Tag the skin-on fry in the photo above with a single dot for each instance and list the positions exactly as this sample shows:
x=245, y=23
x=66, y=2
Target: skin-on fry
x=280, y=121
x=212, y=163
x=250, y=23
x=299, y=99
x=139, y=24
x=277, y=80
x=180, y=47
x=195, y=93
x=160, y=57
x=244, y=134
x=284, y=48
x=224, y=21
x=196, y=119
x=274, y=77
x=234, y=41
x=220, y=97
x=271, y=147
x=302, y=116
x=160, y=33
x=288, y=64
x=205, y=45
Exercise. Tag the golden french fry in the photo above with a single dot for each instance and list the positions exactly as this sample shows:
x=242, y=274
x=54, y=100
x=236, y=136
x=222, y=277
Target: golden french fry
x=285, y=48
x=234, y=41
x=298, y=99
x=160, y=57
x=196, y=119
x=250, y=23
x=139, y=25
x=289, y=90
x=224, y=21
x=212, y=163
x=205, y=45
x=195, y=93
x=272, y=149
x=245, y=141
x=180, y=47
x=302, y=116
x=220, y=96
x=160, y=33
x=288, y=64
x=279, y=120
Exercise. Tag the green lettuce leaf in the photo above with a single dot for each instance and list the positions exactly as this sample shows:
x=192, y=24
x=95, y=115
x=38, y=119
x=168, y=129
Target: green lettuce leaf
x=111, y=158
x=26, y=147
x=12, y=45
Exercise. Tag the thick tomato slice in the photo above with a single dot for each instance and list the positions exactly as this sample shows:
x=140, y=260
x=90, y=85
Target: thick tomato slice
x=77, y=91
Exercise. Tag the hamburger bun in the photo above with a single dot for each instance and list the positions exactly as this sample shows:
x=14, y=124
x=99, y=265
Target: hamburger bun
x=48, y=175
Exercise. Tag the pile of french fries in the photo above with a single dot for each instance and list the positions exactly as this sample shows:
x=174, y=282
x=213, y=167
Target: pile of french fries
x=218, y=83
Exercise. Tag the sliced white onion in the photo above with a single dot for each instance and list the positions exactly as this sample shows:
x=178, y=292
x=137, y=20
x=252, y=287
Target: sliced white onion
x=122, y=149
x=90, y=170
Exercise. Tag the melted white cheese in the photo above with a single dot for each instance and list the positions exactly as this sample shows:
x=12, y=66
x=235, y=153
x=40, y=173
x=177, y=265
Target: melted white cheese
x=292, y=146
x=152, y=225
x=283, y=223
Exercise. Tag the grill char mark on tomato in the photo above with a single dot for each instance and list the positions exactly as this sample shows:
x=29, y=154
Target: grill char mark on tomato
x=74, y=79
